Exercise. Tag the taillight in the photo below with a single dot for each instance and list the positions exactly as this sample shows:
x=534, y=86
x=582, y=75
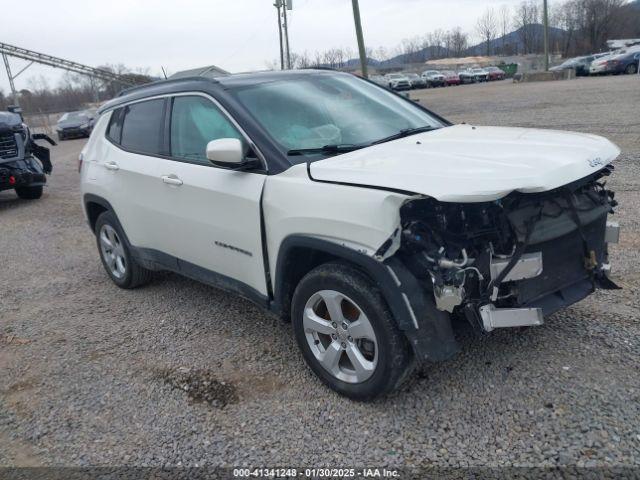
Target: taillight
x=80, y=160
x=12, y=180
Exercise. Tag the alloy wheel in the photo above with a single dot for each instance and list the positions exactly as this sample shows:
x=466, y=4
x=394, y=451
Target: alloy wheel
x=340, y=336
x=112, y=251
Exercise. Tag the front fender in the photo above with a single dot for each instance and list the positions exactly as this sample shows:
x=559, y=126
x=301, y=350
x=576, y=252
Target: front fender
x=427, y=328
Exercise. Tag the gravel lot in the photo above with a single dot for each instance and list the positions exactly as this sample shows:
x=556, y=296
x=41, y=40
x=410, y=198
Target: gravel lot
x=94, y=375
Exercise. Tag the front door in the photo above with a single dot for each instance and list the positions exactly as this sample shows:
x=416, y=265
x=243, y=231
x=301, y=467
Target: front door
x=213, y=216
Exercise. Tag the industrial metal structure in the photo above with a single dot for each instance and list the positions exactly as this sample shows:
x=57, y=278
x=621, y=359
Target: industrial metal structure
x=35, y=57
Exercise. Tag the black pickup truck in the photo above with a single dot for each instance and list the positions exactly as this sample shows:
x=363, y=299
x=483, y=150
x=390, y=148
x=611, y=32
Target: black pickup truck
x=23, y=163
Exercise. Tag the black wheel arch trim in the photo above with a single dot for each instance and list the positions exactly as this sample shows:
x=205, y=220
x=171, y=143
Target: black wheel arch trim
x=427, y=329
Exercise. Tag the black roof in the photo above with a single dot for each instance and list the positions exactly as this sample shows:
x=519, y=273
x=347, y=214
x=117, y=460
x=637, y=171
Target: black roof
x=211, y=85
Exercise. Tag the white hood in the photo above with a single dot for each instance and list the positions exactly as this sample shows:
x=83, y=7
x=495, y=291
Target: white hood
x=463, y=163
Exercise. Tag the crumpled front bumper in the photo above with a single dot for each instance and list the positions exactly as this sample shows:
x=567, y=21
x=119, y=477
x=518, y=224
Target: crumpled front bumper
x=21, y=173
x=554, y=277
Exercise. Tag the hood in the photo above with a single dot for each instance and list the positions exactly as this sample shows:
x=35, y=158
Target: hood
x=463, y=163
x=9, y=120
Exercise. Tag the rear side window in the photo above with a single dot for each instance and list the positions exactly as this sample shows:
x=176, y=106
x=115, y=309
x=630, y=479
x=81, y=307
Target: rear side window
x=142, y=127
x=114, y=131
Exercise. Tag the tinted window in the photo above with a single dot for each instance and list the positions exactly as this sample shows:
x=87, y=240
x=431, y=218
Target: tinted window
x=114, y=132
x=195, y=121
x=142, y=127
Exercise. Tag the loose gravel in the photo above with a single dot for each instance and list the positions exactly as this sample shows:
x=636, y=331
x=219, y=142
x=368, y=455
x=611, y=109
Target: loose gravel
x=178, y=373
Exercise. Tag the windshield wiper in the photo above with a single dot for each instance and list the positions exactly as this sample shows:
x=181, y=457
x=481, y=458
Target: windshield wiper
x=405, y=132
x=338, y=148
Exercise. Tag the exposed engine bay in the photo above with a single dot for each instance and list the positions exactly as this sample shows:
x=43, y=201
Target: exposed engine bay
x=508, y=262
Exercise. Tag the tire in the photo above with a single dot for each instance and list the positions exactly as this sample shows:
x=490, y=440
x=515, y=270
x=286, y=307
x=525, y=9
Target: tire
x=631, y=69
x=29, y=193
x=115, y=254
x=386, y=359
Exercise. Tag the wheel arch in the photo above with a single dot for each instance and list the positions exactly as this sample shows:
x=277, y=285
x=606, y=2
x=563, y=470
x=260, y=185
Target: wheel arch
x=428, y=329
x=94, y=207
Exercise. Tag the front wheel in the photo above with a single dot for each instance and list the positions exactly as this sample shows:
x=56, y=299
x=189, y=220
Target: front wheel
x=29, y=193
x=632, y=69
x=347, y=334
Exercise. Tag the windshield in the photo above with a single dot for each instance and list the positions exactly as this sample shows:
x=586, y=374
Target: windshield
x=316, y=111
x=73, y=116
x=395, y=75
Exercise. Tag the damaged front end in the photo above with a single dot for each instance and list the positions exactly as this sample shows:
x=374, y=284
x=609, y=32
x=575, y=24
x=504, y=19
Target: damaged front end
x=23, y=163
x=509, y=262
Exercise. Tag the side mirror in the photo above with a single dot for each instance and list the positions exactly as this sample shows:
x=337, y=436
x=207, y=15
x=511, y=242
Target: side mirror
x=229, y=153
x=226, y=152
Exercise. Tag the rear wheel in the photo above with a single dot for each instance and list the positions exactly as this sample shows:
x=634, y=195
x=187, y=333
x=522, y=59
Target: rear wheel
x=116, y=255
x=347, y=334
x=29, y=193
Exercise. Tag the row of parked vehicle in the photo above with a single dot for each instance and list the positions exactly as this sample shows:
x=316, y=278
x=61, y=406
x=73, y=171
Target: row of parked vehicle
x=624, y=60
x=435, y=78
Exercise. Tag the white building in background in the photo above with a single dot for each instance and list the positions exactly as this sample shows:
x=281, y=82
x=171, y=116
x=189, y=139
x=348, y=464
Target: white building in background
x=210, y=71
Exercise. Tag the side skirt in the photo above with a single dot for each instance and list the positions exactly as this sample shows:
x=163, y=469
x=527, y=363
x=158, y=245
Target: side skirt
x=156, y=260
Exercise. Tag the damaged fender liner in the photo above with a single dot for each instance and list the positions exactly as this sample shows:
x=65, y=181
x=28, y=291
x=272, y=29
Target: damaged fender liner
x=427, y=329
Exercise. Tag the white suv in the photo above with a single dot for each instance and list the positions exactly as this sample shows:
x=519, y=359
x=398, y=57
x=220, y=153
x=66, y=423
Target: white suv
x=367, y=220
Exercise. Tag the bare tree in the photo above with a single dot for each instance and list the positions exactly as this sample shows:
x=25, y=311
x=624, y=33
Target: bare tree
x=486, y=27
x=456, y=42
x=504, y=21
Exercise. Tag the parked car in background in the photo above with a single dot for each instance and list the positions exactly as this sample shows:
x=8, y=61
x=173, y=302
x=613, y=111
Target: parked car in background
x=623, y=63
x=467, y=76
x=433, y=78
x=451, y=78
x=602, y=66
x=496, y=73
x=379, y=80
x=580, y=64
x=481, y=74
x=416, y=80
x=398, y=81
x=75, y=124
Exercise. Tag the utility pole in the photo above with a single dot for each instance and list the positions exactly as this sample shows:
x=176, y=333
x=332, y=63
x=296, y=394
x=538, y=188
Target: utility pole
x=278, y=6
x=361, y=49
x=546, y=35
x=287, y=6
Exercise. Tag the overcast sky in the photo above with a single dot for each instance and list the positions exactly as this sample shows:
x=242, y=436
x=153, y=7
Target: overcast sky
x=236, y=35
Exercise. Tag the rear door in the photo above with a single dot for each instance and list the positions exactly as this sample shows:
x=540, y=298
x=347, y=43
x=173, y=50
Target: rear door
x=130, y=170
x=212, y=215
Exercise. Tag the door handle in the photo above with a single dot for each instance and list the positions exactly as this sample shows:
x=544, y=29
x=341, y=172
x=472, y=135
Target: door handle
x=171, y=180
x=111, y=166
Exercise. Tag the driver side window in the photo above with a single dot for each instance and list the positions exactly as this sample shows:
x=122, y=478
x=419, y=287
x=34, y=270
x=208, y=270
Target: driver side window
x=195, y=121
